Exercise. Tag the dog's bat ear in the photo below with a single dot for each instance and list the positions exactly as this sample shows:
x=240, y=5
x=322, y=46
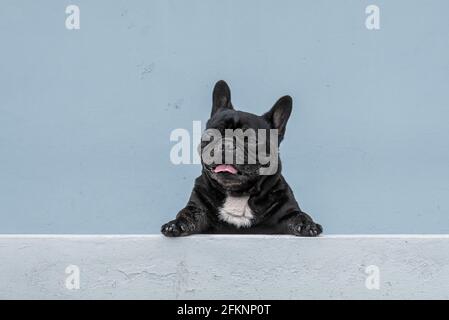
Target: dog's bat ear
x=221, y=98
x=279, y=114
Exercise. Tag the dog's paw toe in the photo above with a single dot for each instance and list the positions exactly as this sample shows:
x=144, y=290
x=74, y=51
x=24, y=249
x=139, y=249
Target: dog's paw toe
x=308, y=229
x=175, y=228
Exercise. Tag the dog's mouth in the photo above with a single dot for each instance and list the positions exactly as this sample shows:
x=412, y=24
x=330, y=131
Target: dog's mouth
x=222, y=168
x=233, y=177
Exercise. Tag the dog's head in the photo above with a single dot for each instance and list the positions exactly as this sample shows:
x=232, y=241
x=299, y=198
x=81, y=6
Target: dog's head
x=239, y=147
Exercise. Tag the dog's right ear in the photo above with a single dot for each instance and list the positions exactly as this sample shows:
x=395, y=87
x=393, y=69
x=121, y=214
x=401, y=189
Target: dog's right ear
x=279, y=114
x=221, y=98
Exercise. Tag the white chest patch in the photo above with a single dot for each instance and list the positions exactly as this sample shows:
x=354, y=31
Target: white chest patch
x=236, y=211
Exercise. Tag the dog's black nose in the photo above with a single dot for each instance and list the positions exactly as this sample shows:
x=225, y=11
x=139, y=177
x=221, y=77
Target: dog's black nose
x=228, y=148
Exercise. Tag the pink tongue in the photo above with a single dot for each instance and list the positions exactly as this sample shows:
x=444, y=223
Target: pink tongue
x=225, y=168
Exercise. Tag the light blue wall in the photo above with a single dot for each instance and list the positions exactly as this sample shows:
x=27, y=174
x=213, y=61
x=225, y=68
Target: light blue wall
x=85, y=116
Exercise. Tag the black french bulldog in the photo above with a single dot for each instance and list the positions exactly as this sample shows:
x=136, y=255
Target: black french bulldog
x=236, y=198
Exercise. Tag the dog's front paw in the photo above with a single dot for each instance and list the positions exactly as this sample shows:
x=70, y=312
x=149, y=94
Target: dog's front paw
x=307, y=228
x=175, y=228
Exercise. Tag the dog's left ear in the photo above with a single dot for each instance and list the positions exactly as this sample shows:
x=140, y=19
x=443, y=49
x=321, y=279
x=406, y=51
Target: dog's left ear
x=279, y=114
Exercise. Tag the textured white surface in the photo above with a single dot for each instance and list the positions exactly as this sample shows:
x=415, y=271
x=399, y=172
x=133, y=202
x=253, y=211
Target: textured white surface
x=226, y=267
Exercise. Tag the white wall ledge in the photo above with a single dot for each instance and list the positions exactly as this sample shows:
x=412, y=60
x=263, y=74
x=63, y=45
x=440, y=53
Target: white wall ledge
x=224, y=266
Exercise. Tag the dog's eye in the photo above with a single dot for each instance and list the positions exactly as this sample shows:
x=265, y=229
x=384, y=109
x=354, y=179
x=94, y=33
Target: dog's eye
x=206, y=136
x=210, y=134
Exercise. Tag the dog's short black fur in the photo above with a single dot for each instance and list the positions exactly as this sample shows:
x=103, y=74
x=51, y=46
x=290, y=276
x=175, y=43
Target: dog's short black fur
x=270, y=199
